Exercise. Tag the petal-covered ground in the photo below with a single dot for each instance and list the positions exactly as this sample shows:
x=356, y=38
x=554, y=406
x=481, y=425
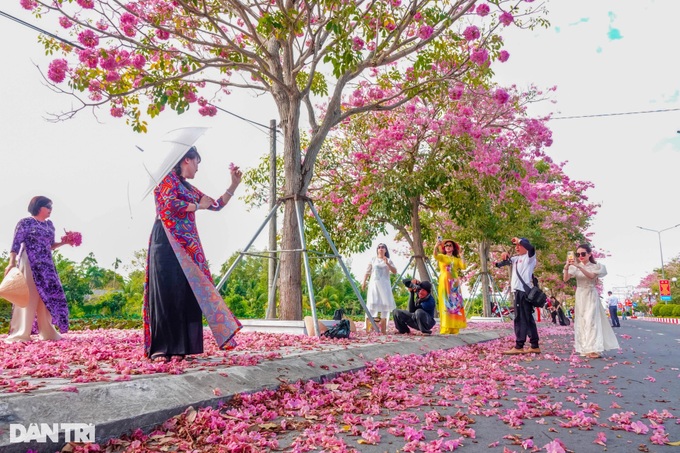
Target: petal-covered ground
x=115, y=355
x=469, y=397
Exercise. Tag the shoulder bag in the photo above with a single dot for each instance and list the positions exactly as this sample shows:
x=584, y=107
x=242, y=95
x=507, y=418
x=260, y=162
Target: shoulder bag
x=535, y=296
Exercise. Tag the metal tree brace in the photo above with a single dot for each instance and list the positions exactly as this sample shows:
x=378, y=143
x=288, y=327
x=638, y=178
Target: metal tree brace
x=428, y=267
x=501, y=302
x=305, y=255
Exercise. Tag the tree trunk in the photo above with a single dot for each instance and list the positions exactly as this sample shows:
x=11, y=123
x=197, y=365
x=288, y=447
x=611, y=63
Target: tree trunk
x=290, y=279
x=417, y=246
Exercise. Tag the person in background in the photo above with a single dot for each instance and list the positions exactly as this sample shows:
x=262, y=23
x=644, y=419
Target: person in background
x=556, y=312
x=552, y=308
x=613, y=303
x=31, y=251
x=561, y=317
x=523, y=265
x=379, y=298
x=420, y=313
x=592, y=332
x=451, y=306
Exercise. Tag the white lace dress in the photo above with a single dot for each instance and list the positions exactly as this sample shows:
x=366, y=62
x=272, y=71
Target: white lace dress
x=592, y=331
x=379, y=296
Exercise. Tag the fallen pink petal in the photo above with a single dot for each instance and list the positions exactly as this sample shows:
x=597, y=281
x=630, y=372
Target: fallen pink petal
x=437, y=401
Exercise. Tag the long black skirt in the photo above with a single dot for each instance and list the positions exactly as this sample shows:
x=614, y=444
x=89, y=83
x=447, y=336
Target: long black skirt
x=175, y=318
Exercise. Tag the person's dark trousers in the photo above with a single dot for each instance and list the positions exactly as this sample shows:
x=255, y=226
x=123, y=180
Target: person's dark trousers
x=553, y=315
x=562, y=317
x=614, y=316
x=525, y=324
x=419, y=320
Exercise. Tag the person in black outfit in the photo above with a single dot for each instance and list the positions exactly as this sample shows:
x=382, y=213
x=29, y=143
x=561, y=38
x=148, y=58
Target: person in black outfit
x=553, y=304
x=523, y=265
x=557, y=313
x=420, y=313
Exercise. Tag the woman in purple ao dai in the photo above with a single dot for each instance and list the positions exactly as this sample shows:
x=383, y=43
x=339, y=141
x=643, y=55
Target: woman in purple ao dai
x=32, y=253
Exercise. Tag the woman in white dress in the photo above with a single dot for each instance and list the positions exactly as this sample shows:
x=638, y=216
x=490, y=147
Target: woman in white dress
x=592, y=332
x=379, y=299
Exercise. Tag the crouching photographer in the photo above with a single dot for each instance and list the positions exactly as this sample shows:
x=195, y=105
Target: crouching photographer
x=420, y=313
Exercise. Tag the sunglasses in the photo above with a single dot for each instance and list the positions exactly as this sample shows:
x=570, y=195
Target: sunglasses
x=582, y=254
x=448, y=245
x=48, y=206
x=382, y=247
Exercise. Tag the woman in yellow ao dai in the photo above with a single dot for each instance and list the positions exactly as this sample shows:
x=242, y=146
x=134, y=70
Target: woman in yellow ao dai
x=451, y=306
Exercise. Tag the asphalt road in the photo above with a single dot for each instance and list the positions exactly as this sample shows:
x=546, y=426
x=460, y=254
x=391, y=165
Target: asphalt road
x=556, y=395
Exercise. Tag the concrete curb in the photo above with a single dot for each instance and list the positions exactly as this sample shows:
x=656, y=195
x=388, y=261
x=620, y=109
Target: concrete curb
x=116, y=408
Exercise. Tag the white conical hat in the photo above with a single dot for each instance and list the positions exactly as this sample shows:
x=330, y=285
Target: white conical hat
x=14, y=288
x=179, y=142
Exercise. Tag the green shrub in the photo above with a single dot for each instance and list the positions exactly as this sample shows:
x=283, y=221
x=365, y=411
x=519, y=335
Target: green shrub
x=5, y=308
x=666, y=310
x=656, y=309
x=106, y=322
x=676, y=311
x=91, y=322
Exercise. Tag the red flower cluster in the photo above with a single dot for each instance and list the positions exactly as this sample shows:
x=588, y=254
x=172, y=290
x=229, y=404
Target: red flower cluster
x=72, y=238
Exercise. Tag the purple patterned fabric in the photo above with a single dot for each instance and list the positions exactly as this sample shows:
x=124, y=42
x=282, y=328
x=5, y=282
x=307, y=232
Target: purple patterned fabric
x=221, y=320
x=38, y=238
x=172, y=199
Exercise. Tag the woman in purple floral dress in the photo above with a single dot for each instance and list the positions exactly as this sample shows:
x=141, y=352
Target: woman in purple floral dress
x=32, y=253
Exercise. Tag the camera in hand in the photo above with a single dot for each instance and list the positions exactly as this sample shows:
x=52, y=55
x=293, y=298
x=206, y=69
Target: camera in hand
x=418, y=285
x=414, y=287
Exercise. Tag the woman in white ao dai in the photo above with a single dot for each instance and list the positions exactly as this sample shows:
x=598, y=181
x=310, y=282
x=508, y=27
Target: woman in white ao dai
x=379, y=298
x=592, y=332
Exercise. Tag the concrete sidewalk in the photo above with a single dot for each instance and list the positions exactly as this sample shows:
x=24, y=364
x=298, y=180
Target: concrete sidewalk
x=115, y=408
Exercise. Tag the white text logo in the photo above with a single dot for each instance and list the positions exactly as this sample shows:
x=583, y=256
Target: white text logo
x=40, y=432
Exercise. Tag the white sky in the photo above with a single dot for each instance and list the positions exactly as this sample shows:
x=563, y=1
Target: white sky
x=605, y=56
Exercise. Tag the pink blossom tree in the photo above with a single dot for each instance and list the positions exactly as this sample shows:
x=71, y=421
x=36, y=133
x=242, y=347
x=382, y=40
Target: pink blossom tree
x=650, y=282
x=140, y=57
x=467, y=163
